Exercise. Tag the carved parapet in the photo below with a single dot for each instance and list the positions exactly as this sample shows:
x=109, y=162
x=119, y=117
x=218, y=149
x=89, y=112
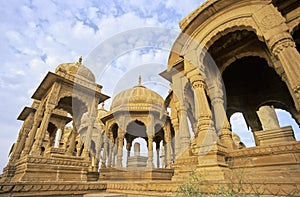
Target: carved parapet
x=266, y=150
x=61, y=188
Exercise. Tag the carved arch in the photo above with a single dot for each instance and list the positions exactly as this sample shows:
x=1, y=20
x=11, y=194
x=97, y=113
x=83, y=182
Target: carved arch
x=231, y=26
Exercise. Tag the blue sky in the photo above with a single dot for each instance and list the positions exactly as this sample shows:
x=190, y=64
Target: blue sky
x=37, y=35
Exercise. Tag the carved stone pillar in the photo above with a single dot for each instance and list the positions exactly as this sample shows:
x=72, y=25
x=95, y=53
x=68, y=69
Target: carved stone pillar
x=79, y=147
x=163, y=155
x=72, y=142
x=121, y=135
x=57, y=138
x=289, y=57
x=115, y=152
x=157, y=155
x=150, y=152
x=105, y=151
x=20, y=144
x=88, y=138
x=128, y=148
x=150, y=132
x=184, y=133
x=176, y=140
x=32, y=132
x=205, y=134
x=221, y=120
x=168, y=146
x=203, y=112
x=36, y=149
x=99, y=146
x=111, y=148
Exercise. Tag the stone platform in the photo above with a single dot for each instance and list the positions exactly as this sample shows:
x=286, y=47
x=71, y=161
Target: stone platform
x=137, y=173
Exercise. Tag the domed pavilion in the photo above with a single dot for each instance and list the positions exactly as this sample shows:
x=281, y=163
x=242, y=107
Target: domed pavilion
x=137, y=112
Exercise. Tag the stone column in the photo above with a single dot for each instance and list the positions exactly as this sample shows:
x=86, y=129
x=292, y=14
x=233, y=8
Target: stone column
x=111, y=148
x=157, y=155
x=168, y=144
x=150, y=132
x=99, y=146
x=137, y=149
x=72, y=142
x=121, y=135
x=289, y=57
x=184, y=134
x=115, y=152
x=163, y=155
x=150, y=152
x=20, y=144
x=128, y=148
x=268, y=117
x=42, y=130
x=88, y=138
x=252, y=120
x=105, y=150
x=57, y=138
x=221, y=120
x=176, y=140
x=79, y=147
x=205, y=134
x=32, y=132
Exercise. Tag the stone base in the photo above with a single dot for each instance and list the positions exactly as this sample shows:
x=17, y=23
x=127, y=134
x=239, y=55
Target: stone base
x=135, y=174
x=53, y=168
x=275, y=136
x=270, y=163
x=92, y=176
x=137, y=161
x=8, y=173
x=208, y=161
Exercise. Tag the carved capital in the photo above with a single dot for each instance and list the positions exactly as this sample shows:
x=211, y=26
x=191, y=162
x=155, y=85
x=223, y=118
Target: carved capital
x=217, y=100
x=198, y=84
x=279, y=46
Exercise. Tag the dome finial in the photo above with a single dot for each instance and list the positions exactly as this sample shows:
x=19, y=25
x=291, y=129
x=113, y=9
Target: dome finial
x=140, y=81
x=80, y=60
x=102, y=105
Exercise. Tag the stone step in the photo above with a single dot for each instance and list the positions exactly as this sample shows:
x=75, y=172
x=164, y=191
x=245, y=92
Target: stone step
x=104, y=195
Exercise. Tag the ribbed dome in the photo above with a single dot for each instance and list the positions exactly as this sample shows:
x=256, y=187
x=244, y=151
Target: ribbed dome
x=137, y=96
x=76, y=69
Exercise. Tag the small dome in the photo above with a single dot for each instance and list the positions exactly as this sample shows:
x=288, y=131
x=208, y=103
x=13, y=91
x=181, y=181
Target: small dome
x=137, y=96
x=76, y=69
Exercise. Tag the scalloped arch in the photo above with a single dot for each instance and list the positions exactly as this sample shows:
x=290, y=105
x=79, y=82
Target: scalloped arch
x=68, y=95
x=229, y=27
x=247, y=54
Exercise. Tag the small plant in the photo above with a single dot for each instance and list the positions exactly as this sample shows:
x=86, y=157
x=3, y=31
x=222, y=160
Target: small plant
x=192, y=187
